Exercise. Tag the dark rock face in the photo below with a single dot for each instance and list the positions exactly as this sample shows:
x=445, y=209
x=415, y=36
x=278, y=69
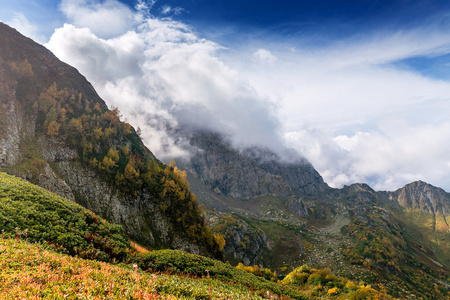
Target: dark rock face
x=141, y=215
x=243, y=242
x=298, y=207
x=250, y=172
x=246, y=245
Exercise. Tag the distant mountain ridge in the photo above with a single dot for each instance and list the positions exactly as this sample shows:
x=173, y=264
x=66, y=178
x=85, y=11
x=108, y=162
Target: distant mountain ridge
x=256, y=171
x=422, y=196
x=274, y=212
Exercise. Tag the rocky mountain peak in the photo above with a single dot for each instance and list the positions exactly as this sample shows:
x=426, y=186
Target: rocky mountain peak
x=422, y=196
x=250, y=172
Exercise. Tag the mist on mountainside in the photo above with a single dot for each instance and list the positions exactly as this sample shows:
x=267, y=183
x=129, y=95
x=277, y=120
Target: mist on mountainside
x=182, y=86
x=335, y=104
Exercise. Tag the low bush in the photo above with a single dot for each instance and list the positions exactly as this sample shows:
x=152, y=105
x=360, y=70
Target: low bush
x=174, y=261
x=33, y=213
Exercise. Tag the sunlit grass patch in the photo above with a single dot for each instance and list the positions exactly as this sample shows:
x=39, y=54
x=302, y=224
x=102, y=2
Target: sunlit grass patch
x=29, y=271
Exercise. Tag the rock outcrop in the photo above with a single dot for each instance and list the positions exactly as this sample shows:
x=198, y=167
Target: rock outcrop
x=250, y=172
x=243, y=242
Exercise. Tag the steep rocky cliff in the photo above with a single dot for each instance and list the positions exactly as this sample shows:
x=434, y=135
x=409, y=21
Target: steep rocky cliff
x=55, y=131
x=250, y=172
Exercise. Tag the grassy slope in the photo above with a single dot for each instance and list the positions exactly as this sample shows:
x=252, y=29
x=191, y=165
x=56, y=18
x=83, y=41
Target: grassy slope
x=397, y=257
x=422, y=229
x=194, y=265
x=66, y=226
x=28, y=271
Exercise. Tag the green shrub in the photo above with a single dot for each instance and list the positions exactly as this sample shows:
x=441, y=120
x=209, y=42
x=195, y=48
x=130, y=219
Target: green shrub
x=175, y=261
x=65, y=225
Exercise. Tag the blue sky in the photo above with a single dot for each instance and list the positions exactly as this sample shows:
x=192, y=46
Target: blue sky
x=360, y=88
x=292, y=19
x=233, y=22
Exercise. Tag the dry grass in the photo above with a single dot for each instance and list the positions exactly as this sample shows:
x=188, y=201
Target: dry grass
x=138, y=248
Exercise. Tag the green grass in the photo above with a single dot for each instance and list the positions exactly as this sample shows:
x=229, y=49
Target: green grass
x=56, y=221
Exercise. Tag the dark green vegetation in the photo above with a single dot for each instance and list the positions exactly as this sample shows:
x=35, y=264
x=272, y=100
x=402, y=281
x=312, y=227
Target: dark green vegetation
x=198, y=266
x=33, y=213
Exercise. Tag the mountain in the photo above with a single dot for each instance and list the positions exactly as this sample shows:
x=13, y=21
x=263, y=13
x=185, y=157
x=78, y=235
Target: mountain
x=276, y=211
x=245, y=173
x=420, y=196
x=56, y=132
x=37, y=223
x=265, y=208
x=426, y=209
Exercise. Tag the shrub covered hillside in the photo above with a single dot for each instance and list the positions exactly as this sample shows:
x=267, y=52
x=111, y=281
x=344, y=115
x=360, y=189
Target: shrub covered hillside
x=115, y=151
x=382, y=246
x=56, y=132
x=323, y=283
x=29, y=213
x=30, y=271
x=37, y=215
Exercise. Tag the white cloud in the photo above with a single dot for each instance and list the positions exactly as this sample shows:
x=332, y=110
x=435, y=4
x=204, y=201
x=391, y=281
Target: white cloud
x=20, y=22
x=352, y=114
x=106, y=19
x=163, y=77
x=169, y=10
x=355, y=116
x=387, y=158
x=166, y=9
x=101, y=60
x=264, y=56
